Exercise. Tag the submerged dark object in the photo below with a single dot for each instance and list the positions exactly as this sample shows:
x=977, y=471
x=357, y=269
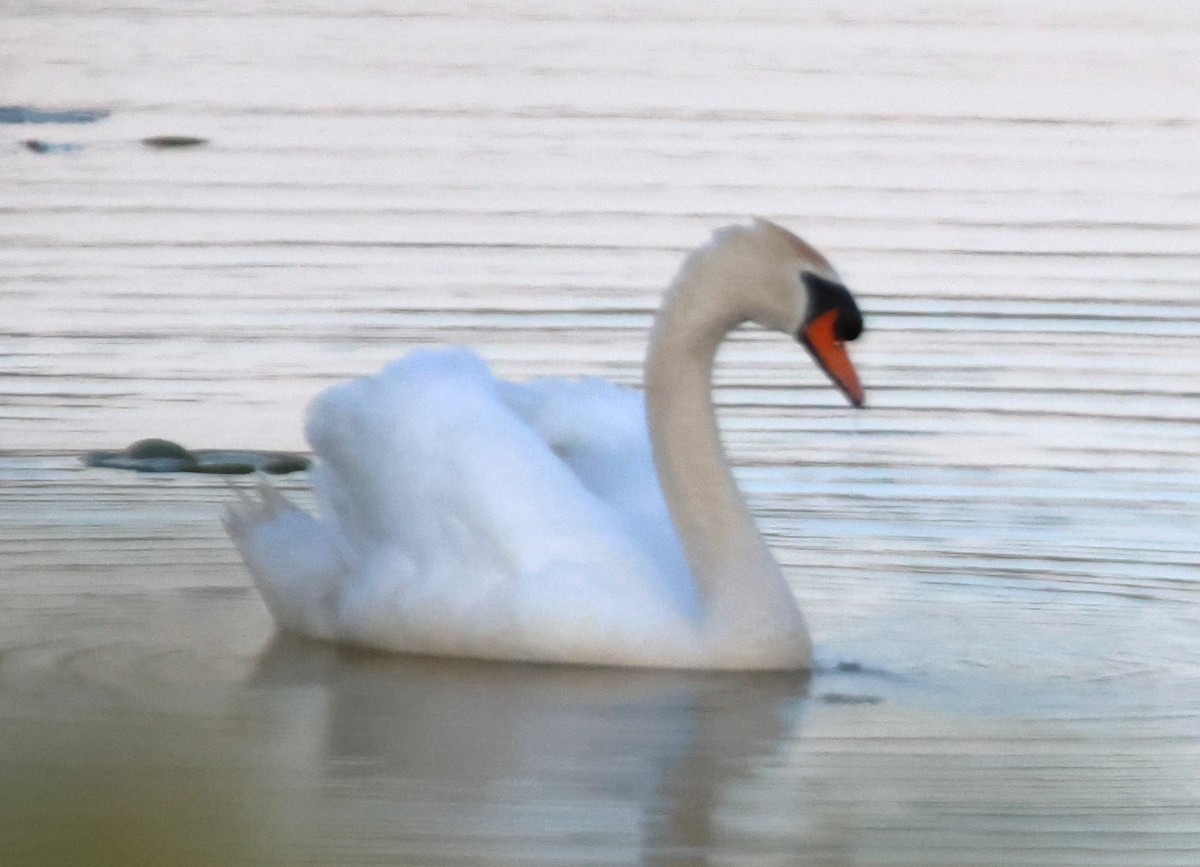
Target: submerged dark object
x=39, y=146
x=27, y=114
x=173, y=141
x=165, y=456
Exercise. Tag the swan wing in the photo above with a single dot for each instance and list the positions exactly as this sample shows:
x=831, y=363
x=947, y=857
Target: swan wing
x=599, y=432
x=451, y=525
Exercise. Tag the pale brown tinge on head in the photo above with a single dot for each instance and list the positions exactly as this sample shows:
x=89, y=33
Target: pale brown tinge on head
x=799, y=245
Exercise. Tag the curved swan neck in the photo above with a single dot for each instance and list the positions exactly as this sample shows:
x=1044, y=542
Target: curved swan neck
x=739, y=581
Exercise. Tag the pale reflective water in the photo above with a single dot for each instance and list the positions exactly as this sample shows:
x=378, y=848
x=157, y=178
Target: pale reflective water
x=998, y=558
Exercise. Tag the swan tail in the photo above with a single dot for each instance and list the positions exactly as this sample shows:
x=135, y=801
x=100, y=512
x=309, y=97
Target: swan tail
x=292, y=556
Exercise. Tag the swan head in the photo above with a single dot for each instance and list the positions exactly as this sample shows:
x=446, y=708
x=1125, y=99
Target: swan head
x=831, y=318
x=777, y=280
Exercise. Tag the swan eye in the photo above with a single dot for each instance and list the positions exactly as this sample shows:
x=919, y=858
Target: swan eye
x=825, y=295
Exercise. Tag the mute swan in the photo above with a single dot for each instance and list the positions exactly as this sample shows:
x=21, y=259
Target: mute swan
x=466, y=516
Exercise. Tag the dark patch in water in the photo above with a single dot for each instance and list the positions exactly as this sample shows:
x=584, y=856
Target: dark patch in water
x=26, y=114
x=854, y=667
x=164, y=142
x=39, y=146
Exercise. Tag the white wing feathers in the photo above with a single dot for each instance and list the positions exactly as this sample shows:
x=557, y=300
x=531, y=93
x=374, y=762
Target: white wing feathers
x=461, y=514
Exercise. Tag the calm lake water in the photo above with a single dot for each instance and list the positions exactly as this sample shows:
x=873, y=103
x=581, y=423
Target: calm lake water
x=998, y=558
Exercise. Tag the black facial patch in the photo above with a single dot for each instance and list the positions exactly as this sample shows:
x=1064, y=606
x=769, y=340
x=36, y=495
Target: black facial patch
x=825, y=295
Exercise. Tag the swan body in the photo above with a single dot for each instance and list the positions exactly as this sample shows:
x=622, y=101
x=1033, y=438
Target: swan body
x=559, y=520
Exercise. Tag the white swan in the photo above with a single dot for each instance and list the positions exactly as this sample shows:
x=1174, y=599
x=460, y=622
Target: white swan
x=463, y=515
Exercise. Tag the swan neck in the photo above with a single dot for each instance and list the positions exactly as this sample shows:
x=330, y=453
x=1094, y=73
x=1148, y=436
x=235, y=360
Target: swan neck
x=740, y=584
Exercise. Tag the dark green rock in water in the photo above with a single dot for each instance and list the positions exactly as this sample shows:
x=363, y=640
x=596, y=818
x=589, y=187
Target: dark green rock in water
x=174, y=141
x=158, y=448
x=165, y=456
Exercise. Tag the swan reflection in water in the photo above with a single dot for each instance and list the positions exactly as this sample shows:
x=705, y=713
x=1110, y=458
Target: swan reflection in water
x=495, y=756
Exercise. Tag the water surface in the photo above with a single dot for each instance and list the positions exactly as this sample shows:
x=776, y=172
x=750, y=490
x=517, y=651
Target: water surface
x=997, y=558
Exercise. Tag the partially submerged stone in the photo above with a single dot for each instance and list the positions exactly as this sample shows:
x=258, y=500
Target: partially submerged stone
x=164, y=456
x=163, y=142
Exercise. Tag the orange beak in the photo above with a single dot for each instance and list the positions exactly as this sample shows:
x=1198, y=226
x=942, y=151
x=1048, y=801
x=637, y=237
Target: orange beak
x=820, y=337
